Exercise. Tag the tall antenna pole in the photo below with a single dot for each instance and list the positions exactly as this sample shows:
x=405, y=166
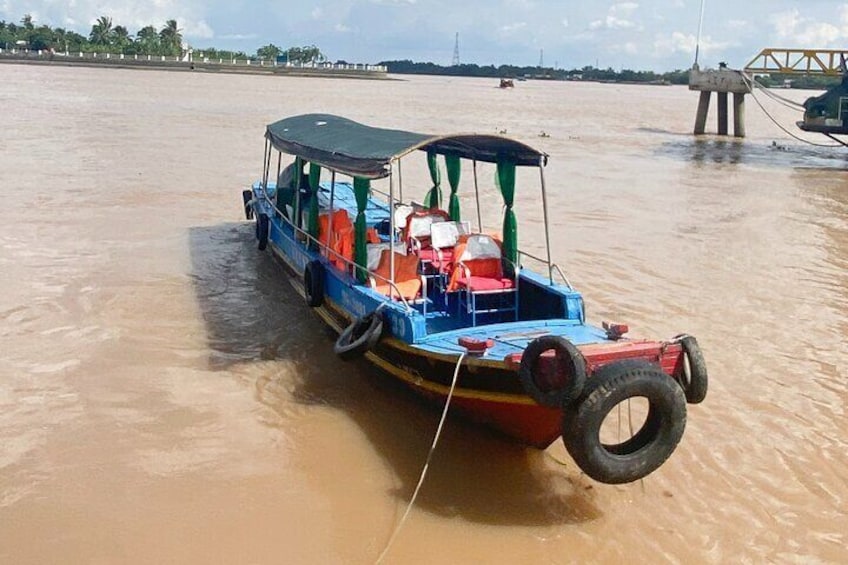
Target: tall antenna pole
x=700, y=27
x=541, y=58
x=455, y=62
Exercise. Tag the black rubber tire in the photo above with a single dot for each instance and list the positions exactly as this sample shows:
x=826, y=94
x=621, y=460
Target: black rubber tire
x=247, y=199
x=313, y=283
x=694, y=382
x=566, y=352
x=262, y=226
x=360, y=336
x=649, y=447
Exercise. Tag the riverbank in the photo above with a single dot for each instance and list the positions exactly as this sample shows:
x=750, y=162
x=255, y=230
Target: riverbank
x=234, y=66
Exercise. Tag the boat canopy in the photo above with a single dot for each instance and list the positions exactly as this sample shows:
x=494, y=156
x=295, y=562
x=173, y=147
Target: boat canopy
x=358, y=150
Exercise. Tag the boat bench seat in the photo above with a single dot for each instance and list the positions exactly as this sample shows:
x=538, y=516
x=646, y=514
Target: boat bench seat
x=407, y=280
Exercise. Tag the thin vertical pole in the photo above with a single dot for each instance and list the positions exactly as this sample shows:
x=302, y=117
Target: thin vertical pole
x=547, y=228
x=277, y=181
x=279, y=166
x=298, y=171
x=477, y=196
x=330, y=219
x=392, y=232
x=264, y=159
x=400, y=184
x=700, y=28
x=266, y=171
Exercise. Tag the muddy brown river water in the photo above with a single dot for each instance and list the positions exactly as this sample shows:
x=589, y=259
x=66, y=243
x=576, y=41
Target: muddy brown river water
x=165, y=397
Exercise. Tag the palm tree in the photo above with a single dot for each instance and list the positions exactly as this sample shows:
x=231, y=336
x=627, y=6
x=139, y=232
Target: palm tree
x=171, y=38
x=148, y=40
x=269, y=51
x=121, y=37
x=101, y=31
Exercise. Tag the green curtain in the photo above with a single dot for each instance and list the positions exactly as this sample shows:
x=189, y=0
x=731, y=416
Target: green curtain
x=314, y=181
x=454, y=168
x=361, y=189
x=506, y=182
x=434, y=196
x=298, y=171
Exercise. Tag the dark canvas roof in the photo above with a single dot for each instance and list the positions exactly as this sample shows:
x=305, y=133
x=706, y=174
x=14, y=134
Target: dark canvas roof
x=359, y=150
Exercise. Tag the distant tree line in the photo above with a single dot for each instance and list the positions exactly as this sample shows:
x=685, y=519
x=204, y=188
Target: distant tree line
x=105, y=37
x=807, y=82
x=511, y=71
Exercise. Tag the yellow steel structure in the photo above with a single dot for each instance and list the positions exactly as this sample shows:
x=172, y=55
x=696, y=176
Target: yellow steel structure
x=798, y=62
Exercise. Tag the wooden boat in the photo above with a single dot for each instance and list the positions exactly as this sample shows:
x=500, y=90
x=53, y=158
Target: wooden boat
x=453, y=311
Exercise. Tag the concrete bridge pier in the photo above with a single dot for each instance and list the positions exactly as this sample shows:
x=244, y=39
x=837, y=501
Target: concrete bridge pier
x=739, y=114
x=722, y=81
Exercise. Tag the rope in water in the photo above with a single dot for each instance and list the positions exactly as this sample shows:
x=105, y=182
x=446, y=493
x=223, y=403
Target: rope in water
x=426, y=463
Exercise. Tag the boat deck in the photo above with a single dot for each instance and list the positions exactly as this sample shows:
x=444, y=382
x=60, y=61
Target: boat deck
x=511, y=337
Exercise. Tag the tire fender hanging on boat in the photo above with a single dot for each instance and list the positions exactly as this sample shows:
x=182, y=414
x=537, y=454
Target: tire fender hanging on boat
x=360, y=336
x=313, y=283
x=247, y=199
x=693, y=378
x=549, y=388
x=649, y=447
x=262, y=226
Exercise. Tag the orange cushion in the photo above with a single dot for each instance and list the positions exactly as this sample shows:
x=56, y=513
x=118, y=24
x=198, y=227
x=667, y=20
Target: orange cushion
x=406, y=277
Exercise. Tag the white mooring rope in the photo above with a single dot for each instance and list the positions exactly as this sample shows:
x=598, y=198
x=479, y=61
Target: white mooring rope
x=426, y=463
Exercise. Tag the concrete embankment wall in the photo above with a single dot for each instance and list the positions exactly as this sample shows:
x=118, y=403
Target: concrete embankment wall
x=157, y=63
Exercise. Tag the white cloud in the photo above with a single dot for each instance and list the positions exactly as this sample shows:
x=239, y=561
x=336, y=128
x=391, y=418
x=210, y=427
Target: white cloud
x=341, y=28
x=624, y=9
x=317, y=13
x=238, y=36
x=792, y=26
x=618, y=17
x=564, y=22
x=628, y=48
x=512, y=28
x=200, y=30
x=678, y=42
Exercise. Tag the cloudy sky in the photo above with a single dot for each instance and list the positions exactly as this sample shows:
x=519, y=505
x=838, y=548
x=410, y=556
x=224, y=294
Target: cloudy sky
x=642, y=34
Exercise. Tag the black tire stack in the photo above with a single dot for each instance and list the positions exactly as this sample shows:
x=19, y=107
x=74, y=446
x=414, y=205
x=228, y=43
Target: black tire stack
x=586, y=403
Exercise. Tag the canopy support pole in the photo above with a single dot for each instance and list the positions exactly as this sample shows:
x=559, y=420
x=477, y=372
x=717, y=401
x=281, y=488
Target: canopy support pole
x=330, y=219
x=547, y=228
x=267, y=171
x=298, y=215
x=400, y=187
x=266, y=156
x=477, y=196
x=279, y=166
x=277, y=181
x=392, y=230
